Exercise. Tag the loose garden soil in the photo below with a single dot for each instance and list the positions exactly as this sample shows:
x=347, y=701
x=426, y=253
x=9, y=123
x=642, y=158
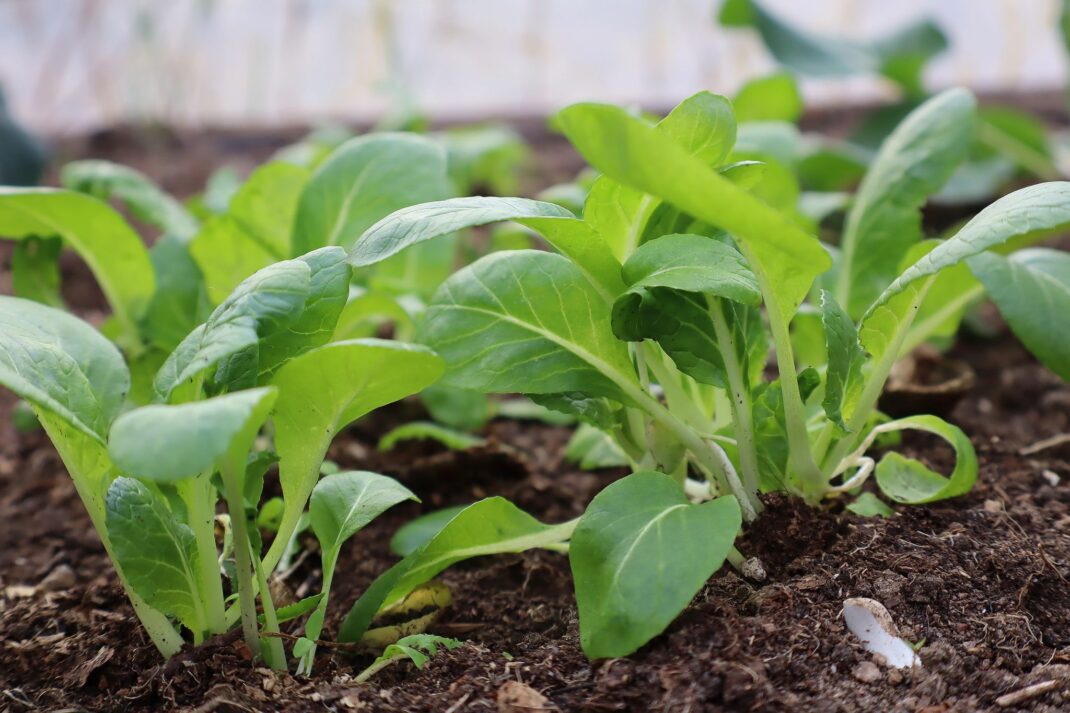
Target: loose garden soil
x=981, y=582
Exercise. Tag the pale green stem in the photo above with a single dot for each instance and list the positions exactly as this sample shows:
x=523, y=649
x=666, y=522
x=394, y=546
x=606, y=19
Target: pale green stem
x=1025, y=156
x=242, y=561
x=199, y=496
x=274, y=654
x=679, y=400
x=740, y=397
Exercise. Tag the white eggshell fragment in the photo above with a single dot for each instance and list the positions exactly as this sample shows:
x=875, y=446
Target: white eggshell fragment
x=870, y=621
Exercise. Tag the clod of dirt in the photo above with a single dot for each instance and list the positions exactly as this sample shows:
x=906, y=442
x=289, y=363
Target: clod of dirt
x=870, y=621
x=58, y=580
x=867, y=672
x=516, y=697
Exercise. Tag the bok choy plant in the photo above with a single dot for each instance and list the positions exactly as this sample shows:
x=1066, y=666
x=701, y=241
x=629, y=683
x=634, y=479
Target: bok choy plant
x=653, y=318
x=260, y=374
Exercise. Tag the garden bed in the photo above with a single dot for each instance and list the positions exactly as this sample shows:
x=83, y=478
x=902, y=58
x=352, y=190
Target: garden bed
x=981, y=580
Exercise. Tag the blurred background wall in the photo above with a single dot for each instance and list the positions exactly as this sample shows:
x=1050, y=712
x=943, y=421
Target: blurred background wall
x=73, y=65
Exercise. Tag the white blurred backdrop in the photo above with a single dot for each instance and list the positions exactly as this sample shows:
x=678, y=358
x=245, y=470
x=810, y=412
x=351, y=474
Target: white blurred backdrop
x=72, y=65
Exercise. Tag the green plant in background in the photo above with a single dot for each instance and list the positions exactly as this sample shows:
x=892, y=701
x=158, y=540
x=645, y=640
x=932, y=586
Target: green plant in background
x=1007, y=142
x=645, y=323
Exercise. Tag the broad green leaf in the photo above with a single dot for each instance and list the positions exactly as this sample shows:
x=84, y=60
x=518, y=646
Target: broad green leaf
x=328, y=290
x=324, y=390
x=167, y=443
x=255, y=230
x=1022, y=216
x=639, y=555
x=143, y=198
x=906, y=480
x=488, y=527
x=775, y=97
x=61, y=365
x=264, y=303
x=1032, y=290
x=35, y=270
x=410, y=226
x=703, y=125
x=427, y=431
x=885, y=218
x=364, y=180
x=416, y=533
x=843, y=379
x=785, y=258
x=675, y=283
x=341, y=505
x=692, y=263
x=111, y=249
x=156, y=551
x=526, y=321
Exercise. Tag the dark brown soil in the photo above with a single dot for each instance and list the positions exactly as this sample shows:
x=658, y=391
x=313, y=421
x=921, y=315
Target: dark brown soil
x=981, y=582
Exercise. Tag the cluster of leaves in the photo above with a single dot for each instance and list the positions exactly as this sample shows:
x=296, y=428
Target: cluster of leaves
x=228, y=357
x=1006, y=142
x=645, y=323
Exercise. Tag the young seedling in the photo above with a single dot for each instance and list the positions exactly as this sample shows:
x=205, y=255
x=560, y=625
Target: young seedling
x=646, y=324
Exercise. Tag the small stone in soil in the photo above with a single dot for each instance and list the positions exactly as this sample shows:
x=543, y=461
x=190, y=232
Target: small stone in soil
x=516, y=697
x=867, y=672
x=59, y=579
x=1051, y=476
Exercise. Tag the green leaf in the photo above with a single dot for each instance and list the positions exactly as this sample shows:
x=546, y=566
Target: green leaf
x=488, y=527
x=1018, y=136
x=157, y=552
x=344, y=503
x=900, y=56
x=775, y=97
x=366, y=310
x=416, y=533
x=35, y=270
x=785, y=259
x=425, y=430
x=526, y=321
x=1032, y=290
x=411, y=226
x=593, y=449
x=105, y=180
x=672, y=281
x=111, y=249
x=167, y=443
x=364, y=180
x=263, y=304
x=254, y=232
x=843, y=379
x=341, y=505
x=906, y=480
x=409, y=647
x=295, y=610
x=703, y=125
x=61, y=365
x=869, y=505
x=639, y=555
x=1022, y=216
x=180, y=302
x=487, y=156
x=324, y=390
x=885, y=218
x=461, y=409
